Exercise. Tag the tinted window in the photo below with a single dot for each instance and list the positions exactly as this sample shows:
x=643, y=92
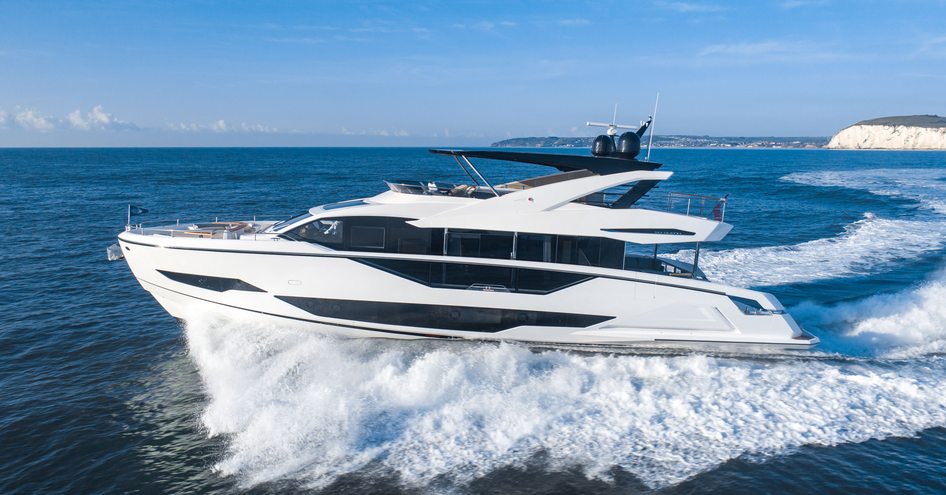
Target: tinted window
x=291, y=221
x=480, y=244
x=465, y=276
x=460, y=276
x=536, y=247
x=323, y=231
x=366, y=237
x=544, y=281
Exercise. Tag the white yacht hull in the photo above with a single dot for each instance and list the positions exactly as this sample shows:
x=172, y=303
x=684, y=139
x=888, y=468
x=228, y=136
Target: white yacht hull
x=342, y=293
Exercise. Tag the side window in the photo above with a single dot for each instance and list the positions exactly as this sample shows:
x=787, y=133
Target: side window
x=364, y=237
x=566, y=250
x=589, y=251
x=497, y=245
x=320, y=231
x=536, y=247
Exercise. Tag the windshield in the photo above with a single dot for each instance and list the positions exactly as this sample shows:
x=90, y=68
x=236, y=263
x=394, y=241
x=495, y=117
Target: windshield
x=291, y=220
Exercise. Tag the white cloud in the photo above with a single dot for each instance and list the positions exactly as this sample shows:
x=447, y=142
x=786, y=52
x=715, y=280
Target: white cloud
x=258, y=128
x=376, y=132
x=933, y=45
x=485, y=26
x=97, y=119
x=794, y=4
x=767, y=51
x=574, y=22
x=3, y=119
x=221, y=126
x=691, y=7
x=33, y=120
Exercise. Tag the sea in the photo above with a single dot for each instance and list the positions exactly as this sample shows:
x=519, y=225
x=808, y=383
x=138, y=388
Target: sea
x=101, y=391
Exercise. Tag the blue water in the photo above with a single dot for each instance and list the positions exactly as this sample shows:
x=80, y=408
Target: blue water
x=102, y=391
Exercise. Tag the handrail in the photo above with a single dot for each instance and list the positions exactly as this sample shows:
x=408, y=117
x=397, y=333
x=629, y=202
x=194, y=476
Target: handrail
x=215, y=229
x=708, y=205
x=712, y=207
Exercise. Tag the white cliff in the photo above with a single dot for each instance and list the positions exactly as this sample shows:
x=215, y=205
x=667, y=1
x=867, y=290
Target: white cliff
x=914, y=132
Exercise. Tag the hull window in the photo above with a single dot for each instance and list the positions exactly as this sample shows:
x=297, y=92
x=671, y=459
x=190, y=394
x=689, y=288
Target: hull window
x=466, y=318
x=477, y=277
x=216, y=284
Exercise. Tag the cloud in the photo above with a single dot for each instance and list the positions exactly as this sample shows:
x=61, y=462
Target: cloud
x=376, y=132
x=691, y=7
x=932, y=45
x=766, y=51
x=794, y=4
x=304, y=40
x=97, y=119
x=574, y=22
x=3, y=118
x=485, y=26
x=33, y=120
x=221, y=126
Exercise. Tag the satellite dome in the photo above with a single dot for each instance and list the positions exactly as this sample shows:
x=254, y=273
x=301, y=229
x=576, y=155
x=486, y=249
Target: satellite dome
x=629, y=145
x=604, y=146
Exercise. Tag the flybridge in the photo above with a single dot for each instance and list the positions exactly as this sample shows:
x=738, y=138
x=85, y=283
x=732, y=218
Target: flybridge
x=609, y=156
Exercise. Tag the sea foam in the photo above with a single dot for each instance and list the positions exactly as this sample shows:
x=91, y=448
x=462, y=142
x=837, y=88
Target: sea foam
x=297, y=405
x=904, y=324
x=859, y=249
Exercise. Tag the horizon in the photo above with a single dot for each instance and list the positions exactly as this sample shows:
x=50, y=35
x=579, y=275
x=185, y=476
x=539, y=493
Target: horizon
x=387, y=74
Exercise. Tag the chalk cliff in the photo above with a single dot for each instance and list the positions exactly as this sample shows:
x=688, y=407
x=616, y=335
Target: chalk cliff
x=912, y=132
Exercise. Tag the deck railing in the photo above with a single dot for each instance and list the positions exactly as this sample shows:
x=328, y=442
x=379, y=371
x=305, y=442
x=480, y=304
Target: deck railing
x=206, y=230
x=712, y=207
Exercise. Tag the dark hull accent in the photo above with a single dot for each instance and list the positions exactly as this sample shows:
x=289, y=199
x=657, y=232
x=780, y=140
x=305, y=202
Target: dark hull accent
x=434, y=316
x=306, y=320
x=216, y=284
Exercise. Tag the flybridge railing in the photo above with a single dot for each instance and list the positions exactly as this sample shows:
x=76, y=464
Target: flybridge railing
x=712, y=207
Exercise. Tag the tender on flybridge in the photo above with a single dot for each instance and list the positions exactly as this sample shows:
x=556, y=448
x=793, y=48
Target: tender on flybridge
x=561, y=258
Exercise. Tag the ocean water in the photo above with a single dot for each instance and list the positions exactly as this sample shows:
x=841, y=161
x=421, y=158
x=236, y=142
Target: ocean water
x=102, y=391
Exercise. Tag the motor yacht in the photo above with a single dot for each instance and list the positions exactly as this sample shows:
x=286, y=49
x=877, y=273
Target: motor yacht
x=567, y=258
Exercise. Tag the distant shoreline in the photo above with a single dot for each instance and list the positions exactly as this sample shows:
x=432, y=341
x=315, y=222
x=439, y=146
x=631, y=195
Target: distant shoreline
x=678, y=141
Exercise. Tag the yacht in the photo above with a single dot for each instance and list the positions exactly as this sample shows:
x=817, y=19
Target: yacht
x=568, y=258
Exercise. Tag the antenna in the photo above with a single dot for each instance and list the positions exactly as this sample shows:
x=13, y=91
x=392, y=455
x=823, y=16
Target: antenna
x=650, y=142
x=613, y=126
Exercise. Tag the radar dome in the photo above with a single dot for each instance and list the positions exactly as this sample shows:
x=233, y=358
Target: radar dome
x=629, y=145
x=604, y=146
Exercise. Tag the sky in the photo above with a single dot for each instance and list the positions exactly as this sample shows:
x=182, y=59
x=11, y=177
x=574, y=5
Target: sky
x=418, y=73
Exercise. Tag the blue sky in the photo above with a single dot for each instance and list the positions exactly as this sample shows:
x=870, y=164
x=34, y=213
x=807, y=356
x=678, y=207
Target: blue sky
x=91, y=73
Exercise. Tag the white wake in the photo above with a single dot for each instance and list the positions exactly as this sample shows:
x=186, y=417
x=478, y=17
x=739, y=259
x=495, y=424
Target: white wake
x=300, y=406
x=904, y=324
x=859, y=249
x=863, y=246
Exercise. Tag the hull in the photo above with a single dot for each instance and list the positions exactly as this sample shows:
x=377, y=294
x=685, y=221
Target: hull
x=358, y=295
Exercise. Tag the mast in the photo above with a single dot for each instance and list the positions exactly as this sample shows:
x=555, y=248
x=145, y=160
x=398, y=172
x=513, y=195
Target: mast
x=653, y=121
